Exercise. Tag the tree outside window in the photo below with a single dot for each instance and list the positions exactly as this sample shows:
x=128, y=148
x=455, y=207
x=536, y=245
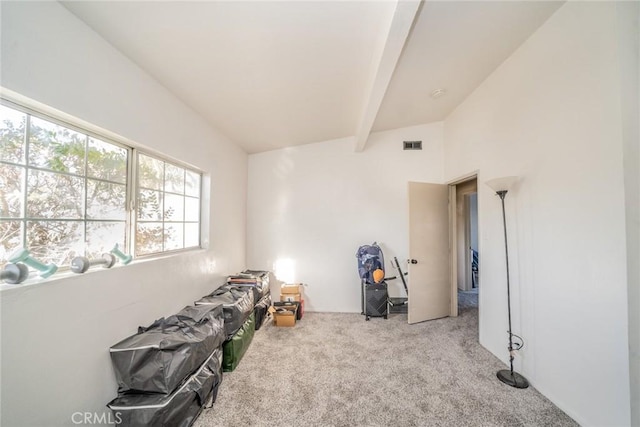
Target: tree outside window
x=63, y=193
x=168, y=207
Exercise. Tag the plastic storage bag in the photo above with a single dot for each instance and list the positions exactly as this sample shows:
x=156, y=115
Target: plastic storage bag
x=260, y=311
x=235, y=348
x=237, y=306
x=159, y=357
x=180, y=408
x=255, y=280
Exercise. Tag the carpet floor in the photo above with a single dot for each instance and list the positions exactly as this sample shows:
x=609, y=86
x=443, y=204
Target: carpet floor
x=336, y=369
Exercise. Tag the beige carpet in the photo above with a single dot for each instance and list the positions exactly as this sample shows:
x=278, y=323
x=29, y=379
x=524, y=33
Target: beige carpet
x=336, y=369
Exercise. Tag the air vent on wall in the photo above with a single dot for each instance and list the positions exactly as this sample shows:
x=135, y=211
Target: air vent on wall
x=413, y=145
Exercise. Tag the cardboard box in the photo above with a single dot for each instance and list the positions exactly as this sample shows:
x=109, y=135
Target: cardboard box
x=298, y=304
x=291, y=292
x=290, y=297
x=295, y=288
x=284, y=315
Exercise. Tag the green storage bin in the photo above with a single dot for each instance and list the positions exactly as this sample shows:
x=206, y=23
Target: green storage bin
x=233, y=349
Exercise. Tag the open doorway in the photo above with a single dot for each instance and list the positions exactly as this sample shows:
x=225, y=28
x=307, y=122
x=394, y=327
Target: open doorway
x=467, y=243
x=465, y=274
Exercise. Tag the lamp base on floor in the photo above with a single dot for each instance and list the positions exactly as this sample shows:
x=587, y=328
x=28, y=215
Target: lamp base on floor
x=513, y=379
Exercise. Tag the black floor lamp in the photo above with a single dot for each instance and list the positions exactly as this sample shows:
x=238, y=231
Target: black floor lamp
x=501, y=186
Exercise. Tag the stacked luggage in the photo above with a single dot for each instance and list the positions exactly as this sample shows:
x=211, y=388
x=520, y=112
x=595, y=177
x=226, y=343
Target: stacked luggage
x=375, y=296
x=245, y=299
x=168, y=371
x=236, y=304
x=256, y=281
x=239, y=322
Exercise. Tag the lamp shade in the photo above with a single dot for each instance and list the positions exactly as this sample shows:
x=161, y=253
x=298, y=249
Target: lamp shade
x=502, y=184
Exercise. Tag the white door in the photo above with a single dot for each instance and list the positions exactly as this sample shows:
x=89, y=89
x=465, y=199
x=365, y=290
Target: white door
x=429, y=270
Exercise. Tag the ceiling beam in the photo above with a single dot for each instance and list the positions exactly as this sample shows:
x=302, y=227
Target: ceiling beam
x=403, y=17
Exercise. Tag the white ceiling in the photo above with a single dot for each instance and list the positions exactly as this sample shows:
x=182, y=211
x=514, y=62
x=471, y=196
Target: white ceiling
x=272, y=74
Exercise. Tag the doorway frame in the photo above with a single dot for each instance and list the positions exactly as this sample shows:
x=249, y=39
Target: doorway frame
x=453, y=236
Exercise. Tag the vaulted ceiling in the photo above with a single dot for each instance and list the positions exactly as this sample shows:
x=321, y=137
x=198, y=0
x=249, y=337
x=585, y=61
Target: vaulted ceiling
x=273, y=74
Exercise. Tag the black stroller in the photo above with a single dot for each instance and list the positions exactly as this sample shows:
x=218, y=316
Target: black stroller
x=375, y=301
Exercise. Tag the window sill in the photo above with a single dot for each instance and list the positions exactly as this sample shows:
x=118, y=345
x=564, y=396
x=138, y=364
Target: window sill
x=34, y=281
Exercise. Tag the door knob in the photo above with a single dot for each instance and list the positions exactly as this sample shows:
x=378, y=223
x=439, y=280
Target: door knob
x=413, y=261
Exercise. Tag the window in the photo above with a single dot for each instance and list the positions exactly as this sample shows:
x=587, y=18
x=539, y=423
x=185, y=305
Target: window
x=64, y=193
x=168, y=207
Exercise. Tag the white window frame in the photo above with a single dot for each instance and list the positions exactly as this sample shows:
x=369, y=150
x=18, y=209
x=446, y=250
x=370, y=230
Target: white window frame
x=134, y=210
x=131, y=183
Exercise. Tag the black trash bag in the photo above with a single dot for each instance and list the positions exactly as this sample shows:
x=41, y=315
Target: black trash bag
x=180, y=408
x=237, y=306
x=261, y=311
x=159, y=357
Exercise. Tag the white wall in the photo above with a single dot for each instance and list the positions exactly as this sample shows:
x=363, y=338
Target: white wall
x=318, y=203
x=56, y=335
x=629, y=39
x=551, y=115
